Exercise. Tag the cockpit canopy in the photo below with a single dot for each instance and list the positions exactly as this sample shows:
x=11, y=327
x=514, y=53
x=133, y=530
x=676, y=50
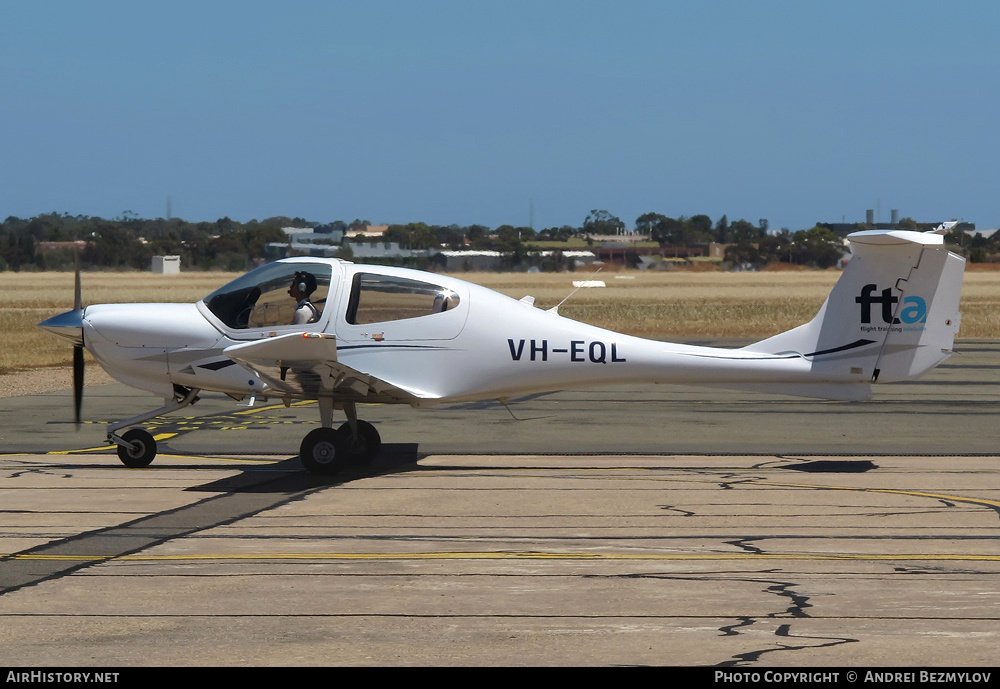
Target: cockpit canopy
x=261, y=299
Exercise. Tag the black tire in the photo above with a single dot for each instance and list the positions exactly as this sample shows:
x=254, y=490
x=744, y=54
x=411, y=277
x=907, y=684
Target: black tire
x=365, y=447
x=142, y=450
x=323, y=452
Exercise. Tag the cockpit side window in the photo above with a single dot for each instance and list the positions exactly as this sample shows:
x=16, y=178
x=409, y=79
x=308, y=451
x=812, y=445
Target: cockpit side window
x=272, y=295
x=380, y=298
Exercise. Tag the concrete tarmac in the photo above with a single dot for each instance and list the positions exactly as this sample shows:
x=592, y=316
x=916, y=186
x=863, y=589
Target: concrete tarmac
x=641, y=525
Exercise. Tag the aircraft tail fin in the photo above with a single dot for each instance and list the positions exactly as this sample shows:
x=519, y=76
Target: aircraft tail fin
x=892, y=315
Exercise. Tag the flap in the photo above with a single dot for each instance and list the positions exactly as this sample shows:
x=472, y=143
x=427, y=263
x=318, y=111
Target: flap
x=305, y=365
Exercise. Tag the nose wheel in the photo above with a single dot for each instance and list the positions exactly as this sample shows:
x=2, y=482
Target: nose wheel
x=139, y=448
x=136, y=447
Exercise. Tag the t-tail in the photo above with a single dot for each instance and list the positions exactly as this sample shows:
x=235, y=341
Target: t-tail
x=893, y=314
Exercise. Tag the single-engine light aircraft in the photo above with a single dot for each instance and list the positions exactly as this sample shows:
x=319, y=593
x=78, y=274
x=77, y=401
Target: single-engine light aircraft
x=345, y=334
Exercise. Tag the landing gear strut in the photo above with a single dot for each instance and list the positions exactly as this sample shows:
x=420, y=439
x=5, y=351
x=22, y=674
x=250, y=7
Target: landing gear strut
x=323, y=451
x=136, y=447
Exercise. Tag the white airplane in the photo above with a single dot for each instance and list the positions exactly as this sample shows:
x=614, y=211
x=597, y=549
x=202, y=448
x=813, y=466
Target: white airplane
x=346, y=334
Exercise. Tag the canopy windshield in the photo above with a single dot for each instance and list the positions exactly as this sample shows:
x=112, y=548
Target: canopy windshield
x=262, y=298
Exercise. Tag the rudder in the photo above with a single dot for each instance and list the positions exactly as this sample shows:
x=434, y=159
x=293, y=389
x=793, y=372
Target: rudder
x=892, y=315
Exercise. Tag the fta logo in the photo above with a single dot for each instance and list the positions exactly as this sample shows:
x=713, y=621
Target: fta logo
x=914, y=308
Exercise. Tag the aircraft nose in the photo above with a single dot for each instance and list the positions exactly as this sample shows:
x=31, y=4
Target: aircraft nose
x=68, y=326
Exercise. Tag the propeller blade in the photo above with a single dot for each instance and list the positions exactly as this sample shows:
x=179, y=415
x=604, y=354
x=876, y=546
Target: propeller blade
x=77, y=349
x=77, y=382
x=69, y=326
x=77, y=292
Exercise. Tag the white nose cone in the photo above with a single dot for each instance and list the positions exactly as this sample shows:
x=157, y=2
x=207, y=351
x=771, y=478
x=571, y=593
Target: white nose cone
x=68, y=326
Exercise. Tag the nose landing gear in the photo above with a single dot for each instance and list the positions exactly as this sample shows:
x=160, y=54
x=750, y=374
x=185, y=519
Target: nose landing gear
x=139, y=450
x=136, y=447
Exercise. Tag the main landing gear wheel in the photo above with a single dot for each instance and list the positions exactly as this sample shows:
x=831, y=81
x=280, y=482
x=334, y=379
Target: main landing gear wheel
x=323, y=451
x=363, y=448
x=140, y=450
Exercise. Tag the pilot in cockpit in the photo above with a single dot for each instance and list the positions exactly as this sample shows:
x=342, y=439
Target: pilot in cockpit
x=302, y=287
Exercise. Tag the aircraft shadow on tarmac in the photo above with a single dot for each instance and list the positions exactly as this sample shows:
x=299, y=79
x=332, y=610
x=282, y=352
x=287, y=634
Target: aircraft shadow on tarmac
x=834, y=466
x=290, y=476
x=249, y=492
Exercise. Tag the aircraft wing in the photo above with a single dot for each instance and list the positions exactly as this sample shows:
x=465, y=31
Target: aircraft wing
x=305, y=365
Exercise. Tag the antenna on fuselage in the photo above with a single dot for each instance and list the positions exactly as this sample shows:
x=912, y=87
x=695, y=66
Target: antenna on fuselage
x=555, y=309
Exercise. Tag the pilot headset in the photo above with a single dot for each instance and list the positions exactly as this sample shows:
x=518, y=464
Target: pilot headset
x=304, y=283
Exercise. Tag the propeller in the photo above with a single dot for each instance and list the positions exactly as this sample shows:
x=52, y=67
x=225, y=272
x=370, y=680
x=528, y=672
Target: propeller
x=69, y=326
x=78, y=352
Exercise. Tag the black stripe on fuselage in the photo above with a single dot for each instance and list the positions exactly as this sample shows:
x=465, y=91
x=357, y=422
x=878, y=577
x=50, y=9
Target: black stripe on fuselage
x=843, y=348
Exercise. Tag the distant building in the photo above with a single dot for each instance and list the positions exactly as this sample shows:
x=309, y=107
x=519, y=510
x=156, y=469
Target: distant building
x=320, y=241
x=166, y=265
x=626, y=236
x=372, y=231
x=468, y=260
x=580, y=258
x=986, y=234
x=382, y=250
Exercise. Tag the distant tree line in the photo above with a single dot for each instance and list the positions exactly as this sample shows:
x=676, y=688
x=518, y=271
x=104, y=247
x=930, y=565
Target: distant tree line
x=45, y=242
x=57, y=241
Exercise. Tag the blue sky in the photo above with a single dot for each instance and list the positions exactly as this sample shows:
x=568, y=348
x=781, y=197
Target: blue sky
x=501, y=112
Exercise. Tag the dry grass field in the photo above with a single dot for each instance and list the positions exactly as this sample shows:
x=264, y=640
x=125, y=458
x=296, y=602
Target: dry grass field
x=676, y=305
